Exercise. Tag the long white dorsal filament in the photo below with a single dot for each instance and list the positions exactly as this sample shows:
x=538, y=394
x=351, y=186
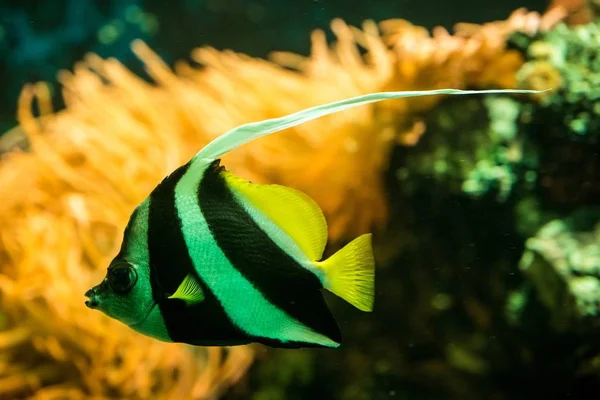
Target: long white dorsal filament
x=248, y=132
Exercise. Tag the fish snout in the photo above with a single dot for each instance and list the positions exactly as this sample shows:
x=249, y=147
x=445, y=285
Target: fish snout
x=93, y=295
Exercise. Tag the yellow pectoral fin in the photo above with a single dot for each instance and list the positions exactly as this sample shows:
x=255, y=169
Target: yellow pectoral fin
x=189, y=291
x=292, y=211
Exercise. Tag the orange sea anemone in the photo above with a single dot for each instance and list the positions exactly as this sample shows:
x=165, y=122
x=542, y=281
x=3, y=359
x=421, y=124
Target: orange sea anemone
x=578, y=12
x=64, y=205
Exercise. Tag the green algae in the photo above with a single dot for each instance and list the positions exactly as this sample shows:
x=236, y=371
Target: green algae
x=572, y=111
x=474, y=147
x=562, y=261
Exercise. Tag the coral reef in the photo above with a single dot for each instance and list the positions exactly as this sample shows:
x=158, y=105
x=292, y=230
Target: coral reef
x=566, y=122
x=569, y=59
x=555, y=309
x=528, y=144
x=475, y=148
x=452, y=195
x=562, y=261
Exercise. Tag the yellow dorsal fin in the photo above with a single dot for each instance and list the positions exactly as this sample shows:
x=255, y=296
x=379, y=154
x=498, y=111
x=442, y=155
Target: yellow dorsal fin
x=292, y=211
x=189, y=291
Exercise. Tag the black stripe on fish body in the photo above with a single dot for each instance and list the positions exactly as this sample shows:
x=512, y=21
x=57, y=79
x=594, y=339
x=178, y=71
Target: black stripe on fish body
x=127, y=235
x=135, y=220
x=280, y=279
x=205, y=323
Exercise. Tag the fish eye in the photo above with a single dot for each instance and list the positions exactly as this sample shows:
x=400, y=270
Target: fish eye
x=121, y=277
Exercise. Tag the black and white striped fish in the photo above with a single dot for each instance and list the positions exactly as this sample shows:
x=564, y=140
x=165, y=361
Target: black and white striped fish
x=209, y=258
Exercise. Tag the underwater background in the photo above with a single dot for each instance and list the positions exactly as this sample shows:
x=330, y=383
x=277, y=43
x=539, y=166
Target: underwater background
x=485, y=209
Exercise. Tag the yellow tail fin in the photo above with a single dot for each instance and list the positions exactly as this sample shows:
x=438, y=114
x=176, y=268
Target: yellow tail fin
x=350, y=273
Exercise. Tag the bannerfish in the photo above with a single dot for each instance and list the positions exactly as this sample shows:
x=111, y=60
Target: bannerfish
x=211, y=259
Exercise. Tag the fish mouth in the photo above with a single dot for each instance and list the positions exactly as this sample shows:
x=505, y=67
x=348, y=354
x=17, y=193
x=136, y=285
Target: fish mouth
x=95, y=294
x=92, y=296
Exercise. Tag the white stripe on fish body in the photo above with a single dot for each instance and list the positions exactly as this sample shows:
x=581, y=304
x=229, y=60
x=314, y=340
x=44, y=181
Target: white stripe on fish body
x=245, y=305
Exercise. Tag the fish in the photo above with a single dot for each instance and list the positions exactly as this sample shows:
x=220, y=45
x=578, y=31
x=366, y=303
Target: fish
x=212, y=259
